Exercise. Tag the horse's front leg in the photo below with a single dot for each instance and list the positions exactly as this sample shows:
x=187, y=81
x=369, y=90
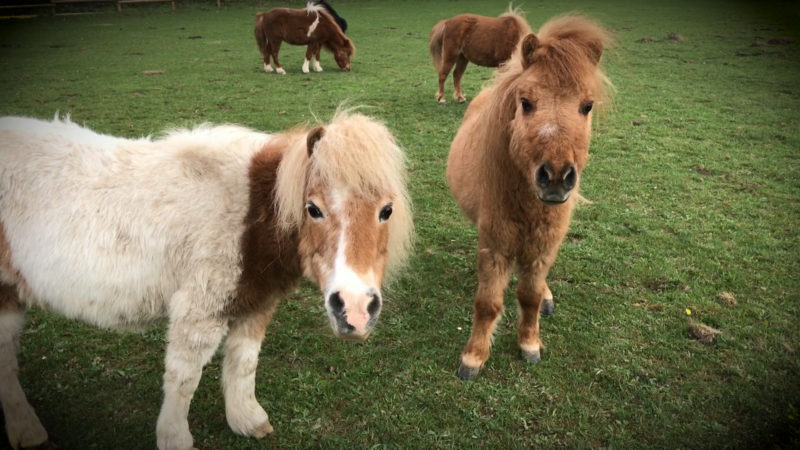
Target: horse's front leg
x=311, y=51
x=23, y=427
x=242, y=346
x=192, y=339
x=532, y=292
x=494, y=271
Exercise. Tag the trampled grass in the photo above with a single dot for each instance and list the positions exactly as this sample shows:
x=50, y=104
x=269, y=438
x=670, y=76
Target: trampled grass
x=694, y=178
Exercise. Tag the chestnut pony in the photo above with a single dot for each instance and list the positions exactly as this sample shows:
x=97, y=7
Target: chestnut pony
x=486, y=41
x=514, y=168
x=313, y=26
x=206, y=227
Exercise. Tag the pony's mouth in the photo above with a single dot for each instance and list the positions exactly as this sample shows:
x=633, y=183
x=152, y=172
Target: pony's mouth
x=554, y=198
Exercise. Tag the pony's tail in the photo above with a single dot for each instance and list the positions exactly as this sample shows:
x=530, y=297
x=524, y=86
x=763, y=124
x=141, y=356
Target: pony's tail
x=435, y=44
x=261, y=35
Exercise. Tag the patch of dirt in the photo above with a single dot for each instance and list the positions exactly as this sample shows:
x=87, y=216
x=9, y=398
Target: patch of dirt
x=645, y=40
x=152, y=72
x=675, y=37
x=726, y=298
x=703, y=333
x=701, y=169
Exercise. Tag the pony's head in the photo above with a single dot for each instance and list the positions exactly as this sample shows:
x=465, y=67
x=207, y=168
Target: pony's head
x=340, y=45
x=547, y=92
x=345, y=193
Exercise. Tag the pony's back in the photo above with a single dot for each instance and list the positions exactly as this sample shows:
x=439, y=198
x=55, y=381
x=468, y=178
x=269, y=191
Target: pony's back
x=130, y=216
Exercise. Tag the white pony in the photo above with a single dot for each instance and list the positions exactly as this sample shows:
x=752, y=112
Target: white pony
x=206, y=227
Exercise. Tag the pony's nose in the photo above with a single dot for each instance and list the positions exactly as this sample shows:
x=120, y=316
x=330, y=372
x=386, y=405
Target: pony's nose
x=354, y=315
x=552, y=187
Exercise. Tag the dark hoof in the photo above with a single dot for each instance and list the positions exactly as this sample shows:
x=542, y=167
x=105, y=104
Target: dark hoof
x=548, y=307
x=46, y=445
x=467, y=373
x=532, y=357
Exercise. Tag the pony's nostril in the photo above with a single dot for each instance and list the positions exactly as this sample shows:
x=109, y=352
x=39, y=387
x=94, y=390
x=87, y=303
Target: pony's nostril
x=542, y=176
x=570, y=177
x=374, y=306
x=336, y=303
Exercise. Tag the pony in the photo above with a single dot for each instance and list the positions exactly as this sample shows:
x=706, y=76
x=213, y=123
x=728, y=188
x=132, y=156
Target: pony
x=208, y=227
x=514, y=169
x=312, y=26
x=486, y=41
x=339, y=19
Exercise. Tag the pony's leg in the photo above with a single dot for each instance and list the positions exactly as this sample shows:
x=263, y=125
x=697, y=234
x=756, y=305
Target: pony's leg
x=317, y=66
x=265, y=54
x=532, y=295
x=275, y=47
x=22, y=425
x=458, y=72
x=242, y=346
x=494, y=271
x=448, y=59
x=192, y=339
x=548, y=305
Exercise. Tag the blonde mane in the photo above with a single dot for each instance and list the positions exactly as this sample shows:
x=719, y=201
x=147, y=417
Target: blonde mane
x=358, y=152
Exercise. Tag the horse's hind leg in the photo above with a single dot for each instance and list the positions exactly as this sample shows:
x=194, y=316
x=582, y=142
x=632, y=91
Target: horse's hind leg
x=265, y=55
x=494, y=271
x=22, y=425
x=548, y=305
x=192, y=339
x=275, y=47
x=448, y=59
x=458, y=72
x=242, y=346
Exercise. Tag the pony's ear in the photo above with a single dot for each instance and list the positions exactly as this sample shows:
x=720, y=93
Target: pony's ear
x=595, y=51
x=529, y=44
x=313, y=137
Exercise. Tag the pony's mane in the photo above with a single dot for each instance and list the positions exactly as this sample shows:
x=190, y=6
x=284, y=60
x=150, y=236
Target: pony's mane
x=357, y=152
x=517, y=13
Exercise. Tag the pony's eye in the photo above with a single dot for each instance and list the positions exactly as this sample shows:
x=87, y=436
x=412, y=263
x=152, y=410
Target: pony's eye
x=527, y=106
x=314, y=211
x=385, y=213
x=586, y=107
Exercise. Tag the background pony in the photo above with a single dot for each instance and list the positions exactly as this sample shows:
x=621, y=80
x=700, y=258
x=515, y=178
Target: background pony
x=207, y=227
x=486, y=41
x=514, y=168
x=312, y=26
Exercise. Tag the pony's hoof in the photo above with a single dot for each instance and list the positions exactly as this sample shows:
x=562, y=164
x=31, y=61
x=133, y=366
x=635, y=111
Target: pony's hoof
x=532, y=357
x=548, y=307
x=280, y=71
x=442, y=101
x=263, y=430
x=467, y=373
x=461, y=99
x=46, y=445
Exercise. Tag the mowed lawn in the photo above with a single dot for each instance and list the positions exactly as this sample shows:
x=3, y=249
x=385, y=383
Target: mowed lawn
x=695, y=187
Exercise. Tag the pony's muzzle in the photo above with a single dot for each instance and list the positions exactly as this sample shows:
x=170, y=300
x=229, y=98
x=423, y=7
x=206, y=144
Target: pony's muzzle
x=555, y=187
x=353, y=315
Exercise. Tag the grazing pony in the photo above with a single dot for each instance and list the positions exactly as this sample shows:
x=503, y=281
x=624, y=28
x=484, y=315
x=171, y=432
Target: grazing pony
x=206, y=227
x=486, y=41
x=514, y=169
x=312, y=26
x=339, y=19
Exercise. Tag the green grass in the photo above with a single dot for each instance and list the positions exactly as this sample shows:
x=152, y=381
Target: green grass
x=694, y=178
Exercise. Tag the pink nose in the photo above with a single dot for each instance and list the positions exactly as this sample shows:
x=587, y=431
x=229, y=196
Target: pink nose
x=354, y=315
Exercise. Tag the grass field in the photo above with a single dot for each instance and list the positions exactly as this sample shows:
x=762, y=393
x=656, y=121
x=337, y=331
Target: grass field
x=695, y=183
